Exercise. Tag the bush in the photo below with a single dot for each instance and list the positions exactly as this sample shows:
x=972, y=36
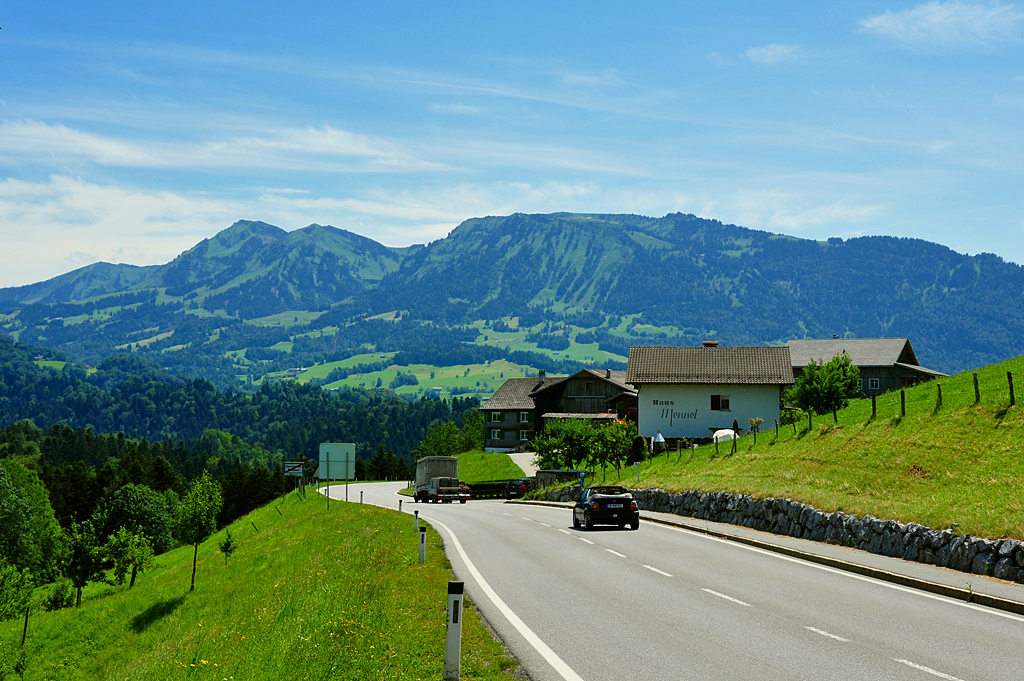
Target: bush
x=61, y=596
x=15, y=590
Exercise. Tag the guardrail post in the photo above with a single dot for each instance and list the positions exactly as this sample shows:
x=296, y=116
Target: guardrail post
x=453, y=640
x=423, y=543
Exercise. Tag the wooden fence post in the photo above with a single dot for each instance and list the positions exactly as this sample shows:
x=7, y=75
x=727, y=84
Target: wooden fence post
x=1009, y=379
x=903, y=403
x=874, y=410
x=977, y=392
x=938, y=400
x=810, y=419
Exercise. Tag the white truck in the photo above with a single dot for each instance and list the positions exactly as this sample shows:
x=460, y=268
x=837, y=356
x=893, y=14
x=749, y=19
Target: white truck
x=437, y=480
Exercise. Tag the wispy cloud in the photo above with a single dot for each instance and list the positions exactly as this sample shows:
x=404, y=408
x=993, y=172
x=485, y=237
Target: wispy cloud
x=457, y=109
x=773, y=54
x=309, y=148
x=949, y=24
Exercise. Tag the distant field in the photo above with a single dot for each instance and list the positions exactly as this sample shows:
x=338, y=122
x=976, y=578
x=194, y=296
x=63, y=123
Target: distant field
x=53, y=364
x=489, y=376
x=314, y=594
x=288, y=318
x=955, y=463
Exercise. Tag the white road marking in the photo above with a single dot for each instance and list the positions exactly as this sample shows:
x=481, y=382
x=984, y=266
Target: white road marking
x=728, y=598
x=525, y=518
x=509, y=515
x=565, y=531
x=654, y=569
x=544, y=524
x=926, y=669
x=616, y=553
x=586, y=540
x=559, y=665
x=851, y=575
x=825, y=633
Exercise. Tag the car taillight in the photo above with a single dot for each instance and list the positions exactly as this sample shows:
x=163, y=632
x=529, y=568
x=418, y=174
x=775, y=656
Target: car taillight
x=632, y=505
x=593, y=506
x=522, y=486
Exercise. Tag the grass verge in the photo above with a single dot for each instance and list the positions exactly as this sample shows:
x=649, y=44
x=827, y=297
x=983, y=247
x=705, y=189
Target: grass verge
x=310, y=595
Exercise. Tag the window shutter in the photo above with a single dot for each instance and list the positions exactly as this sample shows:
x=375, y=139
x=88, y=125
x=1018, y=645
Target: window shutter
x=716, y=403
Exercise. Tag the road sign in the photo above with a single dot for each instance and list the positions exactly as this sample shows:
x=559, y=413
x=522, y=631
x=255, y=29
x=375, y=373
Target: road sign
x=337, y=461
x=293, y=468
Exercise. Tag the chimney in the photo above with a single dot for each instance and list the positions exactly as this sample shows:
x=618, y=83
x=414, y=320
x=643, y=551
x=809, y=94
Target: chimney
x=607, y=373
x=711, y=344
x=540, y=377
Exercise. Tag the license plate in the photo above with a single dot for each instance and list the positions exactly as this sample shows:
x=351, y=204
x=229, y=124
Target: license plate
x=614, y=506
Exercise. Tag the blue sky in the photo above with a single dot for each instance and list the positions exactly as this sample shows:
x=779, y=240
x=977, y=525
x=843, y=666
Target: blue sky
x=130, y=131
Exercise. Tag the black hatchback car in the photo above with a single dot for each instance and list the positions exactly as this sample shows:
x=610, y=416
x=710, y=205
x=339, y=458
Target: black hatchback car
x=606, y=505
x=516, y=488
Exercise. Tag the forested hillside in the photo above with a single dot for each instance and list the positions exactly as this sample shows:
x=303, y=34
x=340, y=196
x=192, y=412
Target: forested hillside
x=555, y=292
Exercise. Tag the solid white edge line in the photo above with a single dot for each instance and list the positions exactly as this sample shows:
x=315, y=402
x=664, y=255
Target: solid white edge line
x=728, y=598
x=654, y=569
x=620, y=555
x=559, y=665
x=825, y=633
x=851, y=575
x=926, y=669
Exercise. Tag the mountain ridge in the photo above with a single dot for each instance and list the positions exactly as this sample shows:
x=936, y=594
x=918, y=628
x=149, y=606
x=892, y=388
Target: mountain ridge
x=562, y=278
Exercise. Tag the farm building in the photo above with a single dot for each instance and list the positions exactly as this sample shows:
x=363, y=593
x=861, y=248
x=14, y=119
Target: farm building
x=690, y=392
x=521, y=406
x=885, y=363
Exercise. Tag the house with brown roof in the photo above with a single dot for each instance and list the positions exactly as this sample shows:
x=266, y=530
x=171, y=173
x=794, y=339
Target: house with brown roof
x=885, y=363
x=509, y=416
x=521, y=406
x=690, y=392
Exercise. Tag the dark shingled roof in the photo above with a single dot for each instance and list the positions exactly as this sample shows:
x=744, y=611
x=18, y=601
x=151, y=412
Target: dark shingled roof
x=738, y=366
x=513, y=395
x=617, y=378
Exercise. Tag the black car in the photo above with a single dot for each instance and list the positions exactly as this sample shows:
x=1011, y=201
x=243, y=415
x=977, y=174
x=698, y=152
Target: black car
x=516, y=488
x=606, y=505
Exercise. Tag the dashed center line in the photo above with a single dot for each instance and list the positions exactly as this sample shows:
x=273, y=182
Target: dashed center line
x=654, y=569
x=527, y=519
x=564, y=531
x=586, y=540
x=825, y=633
x=615, y=553
x=509, y=515
x=926, y=669
x=728, y=598
x=544, y=524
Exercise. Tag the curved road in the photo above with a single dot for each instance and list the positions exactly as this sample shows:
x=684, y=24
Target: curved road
x=664, y=604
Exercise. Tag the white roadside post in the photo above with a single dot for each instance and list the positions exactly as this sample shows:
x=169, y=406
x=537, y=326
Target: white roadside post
x=399, y=505
x=453, y=642
x=423, y=542
x=415, y=521
x=637, y=464
x=360, y=496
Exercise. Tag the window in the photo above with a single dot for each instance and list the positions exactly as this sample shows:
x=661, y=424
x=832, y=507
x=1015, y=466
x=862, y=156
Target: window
x=872, y=384
x=524, y=435
x=495, y=434
x=719, y=403
x=524, y=417
x=497, y=417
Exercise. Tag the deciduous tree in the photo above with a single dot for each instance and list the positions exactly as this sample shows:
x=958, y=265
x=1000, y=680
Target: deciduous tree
x=197, y=516
x=128, y=549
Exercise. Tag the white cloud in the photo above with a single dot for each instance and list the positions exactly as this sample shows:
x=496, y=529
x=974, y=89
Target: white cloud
x=458, y=109
x=325, y=148
x=773, y=54
x=789, y=212
x=949, y=24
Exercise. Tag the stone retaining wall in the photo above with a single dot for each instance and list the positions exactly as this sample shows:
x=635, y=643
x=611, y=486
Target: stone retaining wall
x=1002, y=558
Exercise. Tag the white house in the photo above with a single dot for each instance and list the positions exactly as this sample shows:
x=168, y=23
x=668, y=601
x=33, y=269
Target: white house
x=692, y=392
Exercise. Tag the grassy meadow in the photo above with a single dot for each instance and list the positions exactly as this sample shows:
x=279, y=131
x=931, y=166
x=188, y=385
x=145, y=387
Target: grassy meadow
x=479, y=466
x=958, y=462
x=313, y=594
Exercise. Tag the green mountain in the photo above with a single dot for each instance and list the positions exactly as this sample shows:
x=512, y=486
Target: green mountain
x=256, y=299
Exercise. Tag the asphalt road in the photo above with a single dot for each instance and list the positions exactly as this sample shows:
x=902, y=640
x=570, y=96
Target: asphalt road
x=664, y=604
